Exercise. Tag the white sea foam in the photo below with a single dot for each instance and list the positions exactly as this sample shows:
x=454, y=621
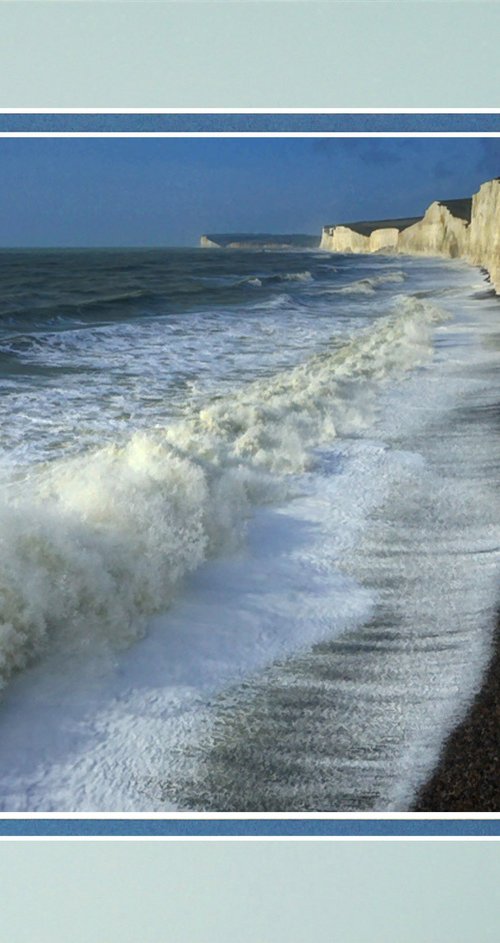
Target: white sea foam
x=93, y=546
x=130, y=376
x=298, y=277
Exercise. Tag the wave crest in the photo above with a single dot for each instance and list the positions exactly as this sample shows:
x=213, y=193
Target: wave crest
x=367, y=286
x=91, y=547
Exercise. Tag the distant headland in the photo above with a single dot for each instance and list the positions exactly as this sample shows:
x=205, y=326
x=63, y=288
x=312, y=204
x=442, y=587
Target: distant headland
x=245, y=240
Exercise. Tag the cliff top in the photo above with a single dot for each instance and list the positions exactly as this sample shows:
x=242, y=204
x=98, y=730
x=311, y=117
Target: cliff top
x=366, y=227
x=462, y=208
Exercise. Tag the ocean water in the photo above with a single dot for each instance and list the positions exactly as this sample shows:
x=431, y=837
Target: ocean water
x=249, y=526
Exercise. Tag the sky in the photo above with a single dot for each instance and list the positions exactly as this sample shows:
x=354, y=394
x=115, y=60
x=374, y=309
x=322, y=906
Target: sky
x=249, y=891
x=165, y=191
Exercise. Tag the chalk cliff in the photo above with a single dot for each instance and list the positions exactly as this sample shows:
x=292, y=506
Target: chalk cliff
x=343, y=239
x=466, y=228
x=384, y=239
x=366, y=236
x=484, y=236
x=441, y=231
x=207, y=243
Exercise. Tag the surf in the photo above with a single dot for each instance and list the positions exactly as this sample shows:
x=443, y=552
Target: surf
x=94, y=546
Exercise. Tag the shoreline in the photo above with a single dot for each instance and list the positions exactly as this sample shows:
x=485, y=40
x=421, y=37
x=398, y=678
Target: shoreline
x=467, y=777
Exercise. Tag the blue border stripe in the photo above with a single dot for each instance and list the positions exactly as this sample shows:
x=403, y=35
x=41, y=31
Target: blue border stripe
x=180, y=828
x=119, y=123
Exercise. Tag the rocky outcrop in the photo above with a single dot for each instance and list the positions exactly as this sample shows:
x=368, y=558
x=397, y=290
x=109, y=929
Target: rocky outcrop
x=466, y=228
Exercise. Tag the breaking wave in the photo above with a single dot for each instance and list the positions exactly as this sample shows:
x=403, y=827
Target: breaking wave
x=91, y=547
x=367, y=286
x=297, y=277
x=257, y=281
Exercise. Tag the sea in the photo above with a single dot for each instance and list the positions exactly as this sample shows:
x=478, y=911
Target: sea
x=249, y=526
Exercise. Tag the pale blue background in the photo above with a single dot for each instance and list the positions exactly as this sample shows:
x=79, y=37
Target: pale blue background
x=423, y=54
x=250, y=54
x=249, y=892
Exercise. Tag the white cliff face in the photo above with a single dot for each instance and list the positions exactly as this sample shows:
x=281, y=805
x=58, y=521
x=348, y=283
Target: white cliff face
x=326, y=238
x=207, y=243
x=484, y=237
x=439, y=232
x=343, y=239
x=384, y=239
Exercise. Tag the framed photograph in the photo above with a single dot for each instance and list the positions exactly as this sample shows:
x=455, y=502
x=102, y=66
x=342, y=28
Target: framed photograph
x=249, y=463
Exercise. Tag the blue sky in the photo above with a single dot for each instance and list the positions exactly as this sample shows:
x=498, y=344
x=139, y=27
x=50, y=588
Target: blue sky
x=249, y=892
x=116, y=192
